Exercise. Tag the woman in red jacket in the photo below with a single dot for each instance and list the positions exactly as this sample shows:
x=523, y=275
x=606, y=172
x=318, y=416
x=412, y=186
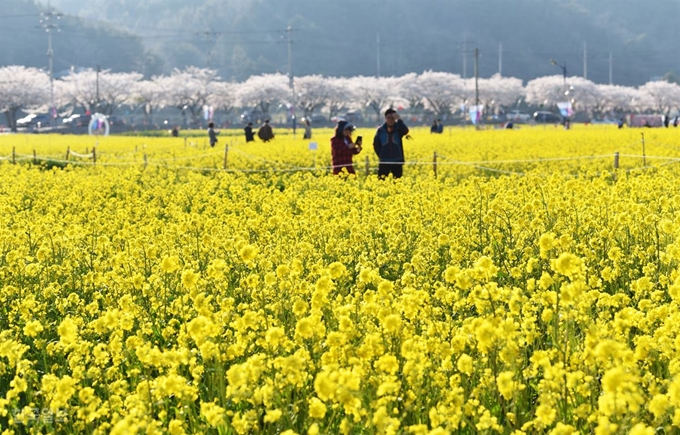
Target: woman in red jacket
x=343, y=148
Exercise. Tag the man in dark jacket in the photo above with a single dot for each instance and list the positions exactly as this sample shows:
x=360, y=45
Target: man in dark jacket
x=250, y=135
x=212, y=134
x=388, y=145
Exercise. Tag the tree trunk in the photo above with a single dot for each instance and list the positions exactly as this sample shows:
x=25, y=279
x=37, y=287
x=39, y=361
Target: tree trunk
x=376, y=107
x=11, y=116
x=264, y=108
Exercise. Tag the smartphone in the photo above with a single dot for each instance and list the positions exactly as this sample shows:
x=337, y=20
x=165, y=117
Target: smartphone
x=359, y=140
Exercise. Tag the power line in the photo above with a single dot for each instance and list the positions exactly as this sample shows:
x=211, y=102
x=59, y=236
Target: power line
x=47, y=23
x=19, y=16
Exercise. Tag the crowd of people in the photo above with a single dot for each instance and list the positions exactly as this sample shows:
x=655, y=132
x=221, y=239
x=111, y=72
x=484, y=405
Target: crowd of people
x=387, y=143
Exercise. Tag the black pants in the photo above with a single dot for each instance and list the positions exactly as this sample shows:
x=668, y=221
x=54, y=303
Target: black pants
x=384, y=169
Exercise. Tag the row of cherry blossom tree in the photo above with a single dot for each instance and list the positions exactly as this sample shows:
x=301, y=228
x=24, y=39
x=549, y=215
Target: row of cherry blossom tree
x=192, y=89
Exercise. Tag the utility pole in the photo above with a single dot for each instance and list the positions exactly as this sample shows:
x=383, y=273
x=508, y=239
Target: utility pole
x=49, y=27
x=477, y=86
x=97, y=107
x=465, y=56
x=611, y=75
x=465, y=53
x=585, y=60
x=564, y=71
x=210, y=36
x=500, y=58
x=378, y=52
x=289, y=31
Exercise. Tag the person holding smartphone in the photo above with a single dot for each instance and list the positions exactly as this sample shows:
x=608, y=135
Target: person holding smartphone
x=343, y=148
x=388, y=145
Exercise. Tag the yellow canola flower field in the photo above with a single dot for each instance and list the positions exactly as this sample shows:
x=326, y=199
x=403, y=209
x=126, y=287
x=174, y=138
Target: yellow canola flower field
x=459, y=152
x=532, y=296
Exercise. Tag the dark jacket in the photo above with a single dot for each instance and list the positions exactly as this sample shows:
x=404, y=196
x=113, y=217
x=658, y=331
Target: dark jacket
x=212, y=135
x=250, y=136
x=389, y=145
x=265, y=133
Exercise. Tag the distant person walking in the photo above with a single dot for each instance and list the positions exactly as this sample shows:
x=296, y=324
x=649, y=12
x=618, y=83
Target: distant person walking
x=212, y=134
x=308, y=129
x=250, y=135
x=265, y=132
x=343, y=148
x=388, y=145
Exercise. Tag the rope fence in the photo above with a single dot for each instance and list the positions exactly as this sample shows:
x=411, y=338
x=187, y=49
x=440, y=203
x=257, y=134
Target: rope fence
x=438, y=161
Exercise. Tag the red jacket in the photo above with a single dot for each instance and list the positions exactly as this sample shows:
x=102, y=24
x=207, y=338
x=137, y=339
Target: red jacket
x=342, y=154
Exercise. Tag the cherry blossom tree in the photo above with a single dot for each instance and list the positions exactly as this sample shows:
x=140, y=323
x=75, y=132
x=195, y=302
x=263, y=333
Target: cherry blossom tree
x=264, y=90
x=80, y=89
x=608, y=98
x=117, y=89
x=660, y=96
x=188, y=90
x=441, y=91
x=150, y=95
x=639, y=101
x=378, y=93
x=546, y=91
x=100, y=92
x=340, y=95
x=223, y=96
x=22, y=88
x=408, y=87
x=498, y=91
x=311, y=93
x=582, y=93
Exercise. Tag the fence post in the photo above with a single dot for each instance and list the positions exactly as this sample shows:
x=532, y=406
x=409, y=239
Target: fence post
x=434, y=163
x=35, y=157
x=644, y=158
x=226, y=152
x=616, y=165
x=145, y=161
x=94, y=155
x=14, y=154
x=368, y=169
x=68, y=152
x=185, y=142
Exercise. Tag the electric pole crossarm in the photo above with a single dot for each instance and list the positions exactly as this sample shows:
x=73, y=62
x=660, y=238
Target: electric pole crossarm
x=289, y=31
x=46, y=22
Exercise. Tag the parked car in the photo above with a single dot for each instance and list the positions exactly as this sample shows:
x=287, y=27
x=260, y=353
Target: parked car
x=355, y=117
x=314, y=119
x=517, y=116
x=114, y=120
x=77, y=120
x=38, y=120
x=547, y=118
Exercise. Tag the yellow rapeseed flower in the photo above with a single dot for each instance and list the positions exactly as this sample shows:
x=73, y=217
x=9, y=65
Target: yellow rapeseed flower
x=170, y=264
x=248, y=252
x=317, y=409
x=567, y=264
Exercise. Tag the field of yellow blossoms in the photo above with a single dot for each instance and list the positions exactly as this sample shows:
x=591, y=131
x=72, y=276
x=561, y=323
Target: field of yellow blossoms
x=527, y=288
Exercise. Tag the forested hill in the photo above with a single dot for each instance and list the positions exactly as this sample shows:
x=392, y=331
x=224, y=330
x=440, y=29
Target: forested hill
x=362, y=37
